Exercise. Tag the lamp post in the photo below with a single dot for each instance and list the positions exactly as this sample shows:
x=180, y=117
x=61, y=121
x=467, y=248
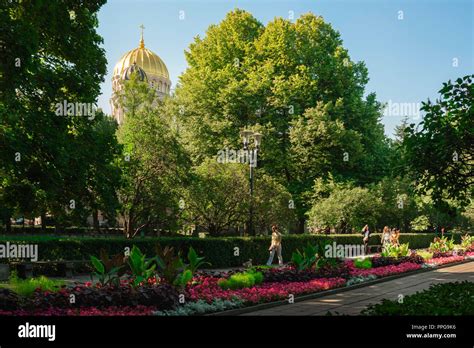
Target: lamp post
x=247, y=135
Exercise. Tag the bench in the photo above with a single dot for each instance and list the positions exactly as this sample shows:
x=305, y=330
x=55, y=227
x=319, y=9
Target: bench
x=65, y=267
x=4, y=271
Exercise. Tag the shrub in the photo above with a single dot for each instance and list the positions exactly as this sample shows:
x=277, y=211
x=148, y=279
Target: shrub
x=363, y=263
x=440, y=299
x=390, y=250
x=241, y=280
x=467, y=242
x=442, y=245
x=141, y=269
x=426, y=255
x=26, y=287
x=108, y=269
x=348, y=207
x=305, y=259
x=218, y=251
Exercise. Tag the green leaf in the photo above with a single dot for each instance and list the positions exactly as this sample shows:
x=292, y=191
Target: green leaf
x=98, y=265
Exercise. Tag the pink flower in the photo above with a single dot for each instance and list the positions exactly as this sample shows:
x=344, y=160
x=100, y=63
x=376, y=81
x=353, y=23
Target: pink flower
x=208, y=290
x=444, y=260
x=382, y=271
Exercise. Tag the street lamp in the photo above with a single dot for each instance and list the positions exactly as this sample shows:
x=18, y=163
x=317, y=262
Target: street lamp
x=247, y=135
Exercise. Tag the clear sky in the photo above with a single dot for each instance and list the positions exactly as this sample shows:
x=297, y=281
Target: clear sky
x=408, y=59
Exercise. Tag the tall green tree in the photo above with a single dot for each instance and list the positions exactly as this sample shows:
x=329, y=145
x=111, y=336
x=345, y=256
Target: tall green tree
x=50, y=54
x=244, y=74
x=154, y=164
x=440, y=150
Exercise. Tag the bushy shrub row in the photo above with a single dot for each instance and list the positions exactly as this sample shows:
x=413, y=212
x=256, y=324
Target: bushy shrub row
x=220, y=252
x=440, y=299
x=50, y=230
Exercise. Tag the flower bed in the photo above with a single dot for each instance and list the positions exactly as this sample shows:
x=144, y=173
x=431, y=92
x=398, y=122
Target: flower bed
x=444, y=260
x=380, y=261
x=91, y=300
x=204, y=294
x=208, y=290
x=90, y=311
x=383, y=271
x=291, y=274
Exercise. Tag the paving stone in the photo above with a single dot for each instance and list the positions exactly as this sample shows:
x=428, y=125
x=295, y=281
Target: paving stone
x=354, y=301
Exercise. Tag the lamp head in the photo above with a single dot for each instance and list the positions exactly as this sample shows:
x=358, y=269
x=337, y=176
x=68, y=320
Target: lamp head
x=258, y=138
x=245, y=134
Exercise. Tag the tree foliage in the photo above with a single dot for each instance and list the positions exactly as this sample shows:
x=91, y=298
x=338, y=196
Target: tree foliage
x=440, y=150
x=218, y=199
x=51, y=54
x=244, y=74
x=153, y=163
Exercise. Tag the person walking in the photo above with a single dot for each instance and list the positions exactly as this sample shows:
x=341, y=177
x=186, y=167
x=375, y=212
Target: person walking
x=386, y=234
x=275, y=246
x=395, y=236
x=366, y=234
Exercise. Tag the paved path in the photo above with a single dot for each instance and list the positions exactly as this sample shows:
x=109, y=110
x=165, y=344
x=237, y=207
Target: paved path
x=354, y=301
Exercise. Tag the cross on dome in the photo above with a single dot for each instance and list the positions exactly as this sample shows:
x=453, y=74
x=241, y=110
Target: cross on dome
x=142, y=41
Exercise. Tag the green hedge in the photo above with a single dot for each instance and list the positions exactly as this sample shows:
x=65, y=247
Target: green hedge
x=218, y=251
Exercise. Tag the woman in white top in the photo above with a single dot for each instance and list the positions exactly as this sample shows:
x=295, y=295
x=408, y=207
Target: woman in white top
x=275, y=246
x=386, y=234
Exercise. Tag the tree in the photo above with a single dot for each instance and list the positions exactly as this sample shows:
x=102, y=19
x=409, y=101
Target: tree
x=399, y=204
x=103, y=174
x=154, y=165
x=320, y=146
x=243, y=74
x=346, y=210
x=51, y=54
x=218, y=199
x=440, y=149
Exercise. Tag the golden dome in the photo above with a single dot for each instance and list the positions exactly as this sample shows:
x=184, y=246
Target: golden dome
x=150, y=62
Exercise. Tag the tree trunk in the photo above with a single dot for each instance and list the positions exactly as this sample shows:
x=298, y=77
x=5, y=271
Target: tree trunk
x=43, y=222
x=95, y=220
x=8, y=224
x=127, y=228
x=301, y=222
x=212, y=230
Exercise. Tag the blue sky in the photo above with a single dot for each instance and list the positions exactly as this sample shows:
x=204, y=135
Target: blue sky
x=408, y=59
